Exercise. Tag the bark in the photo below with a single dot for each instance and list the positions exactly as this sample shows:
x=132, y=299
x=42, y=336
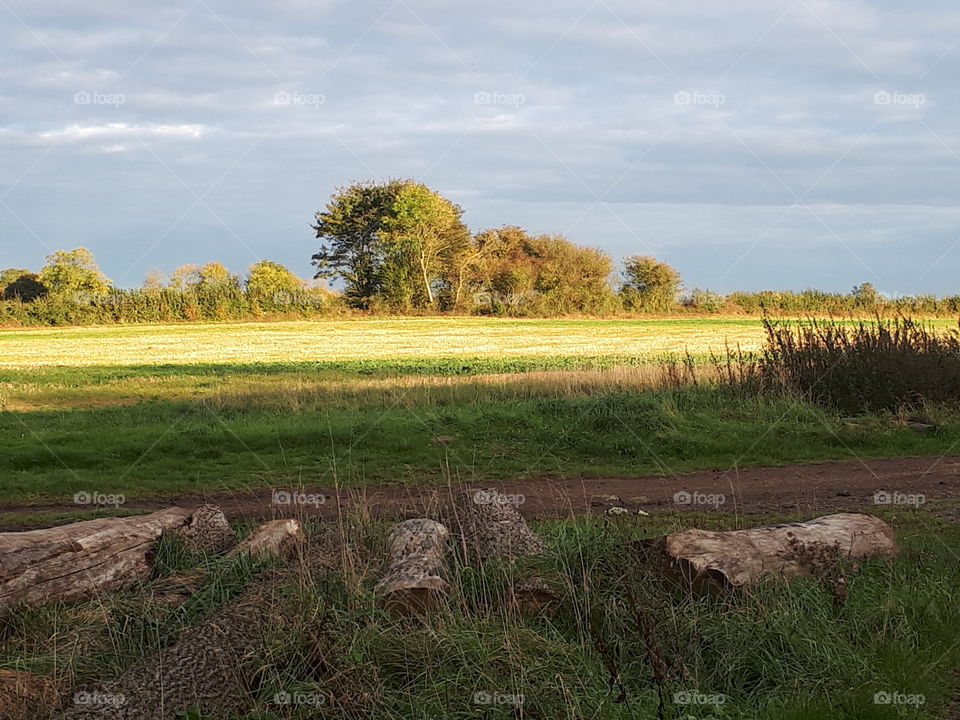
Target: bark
x=415, y=575
x=741, y=557
x=76, y=561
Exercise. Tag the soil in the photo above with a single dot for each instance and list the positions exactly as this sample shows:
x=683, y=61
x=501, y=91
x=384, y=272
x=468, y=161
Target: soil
x=815, y=488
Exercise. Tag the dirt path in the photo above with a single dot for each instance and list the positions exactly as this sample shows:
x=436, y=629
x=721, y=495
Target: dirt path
x=820, y=487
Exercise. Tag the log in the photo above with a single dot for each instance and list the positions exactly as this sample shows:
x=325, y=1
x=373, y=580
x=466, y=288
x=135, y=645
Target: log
x=207, y=531
x=76, y=561
x=737, y=558
x=491, y=525
x=415, y=575
x=277, y=537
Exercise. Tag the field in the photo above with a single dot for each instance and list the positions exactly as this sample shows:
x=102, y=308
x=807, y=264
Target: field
x=565, y=412
x=147, y=411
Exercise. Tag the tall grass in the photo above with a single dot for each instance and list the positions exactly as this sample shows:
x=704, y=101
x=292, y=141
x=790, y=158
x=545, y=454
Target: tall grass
x=866, y=366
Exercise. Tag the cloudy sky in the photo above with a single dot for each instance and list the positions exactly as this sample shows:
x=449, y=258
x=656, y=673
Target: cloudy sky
x=751, y=143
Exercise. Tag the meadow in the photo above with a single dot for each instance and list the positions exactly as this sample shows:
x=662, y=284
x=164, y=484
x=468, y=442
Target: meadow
x=148, y=410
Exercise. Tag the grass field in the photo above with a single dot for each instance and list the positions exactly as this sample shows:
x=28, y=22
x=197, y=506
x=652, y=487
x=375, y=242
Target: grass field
x=194, y=408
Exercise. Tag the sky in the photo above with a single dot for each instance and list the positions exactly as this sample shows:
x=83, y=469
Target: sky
x=751, y=143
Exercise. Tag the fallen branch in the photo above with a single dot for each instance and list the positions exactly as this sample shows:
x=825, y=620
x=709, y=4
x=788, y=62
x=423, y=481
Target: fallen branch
x=415, y=576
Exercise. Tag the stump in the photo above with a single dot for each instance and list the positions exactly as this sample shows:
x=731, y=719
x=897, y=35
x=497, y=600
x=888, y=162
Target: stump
x=415, y=575
x=741, y=557
x=75, y=561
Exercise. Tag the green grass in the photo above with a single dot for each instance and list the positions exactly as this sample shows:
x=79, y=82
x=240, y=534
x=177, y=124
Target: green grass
x=155, y=448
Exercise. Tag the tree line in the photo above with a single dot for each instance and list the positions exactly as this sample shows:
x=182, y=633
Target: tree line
x=399, y=247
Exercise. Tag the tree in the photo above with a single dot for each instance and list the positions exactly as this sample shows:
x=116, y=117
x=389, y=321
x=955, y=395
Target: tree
x=649, y=284
x=866, y=295
x=74, y=274
x=21, y=285
x=154, y=281
x=270, y=280
x=185, y=277
x=351, y=224
x=11, y=275
x=424, y=233
x=394, y=242
x=545, y=274
x=215, y=275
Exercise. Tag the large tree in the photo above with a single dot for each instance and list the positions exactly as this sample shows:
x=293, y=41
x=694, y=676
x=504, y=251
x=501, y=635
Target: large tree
x=394, y=242
x=74, y=274
x=22, y=285
x=350, y=225
x=424, y=235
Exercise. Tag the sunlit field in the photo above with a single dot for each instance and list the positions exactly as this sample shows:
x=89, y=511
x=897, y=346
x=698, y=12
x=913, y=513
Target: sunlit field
x=374, y=339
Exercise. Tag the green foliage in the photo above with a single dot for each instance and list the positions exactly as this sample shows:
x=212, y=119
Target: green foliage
x=270, y=284
x=648, y=284
x=21, y=286
x=74, y=274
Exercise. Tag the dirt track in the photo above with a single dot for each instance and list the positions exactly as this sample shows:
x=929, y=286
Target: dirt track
x=813, y=488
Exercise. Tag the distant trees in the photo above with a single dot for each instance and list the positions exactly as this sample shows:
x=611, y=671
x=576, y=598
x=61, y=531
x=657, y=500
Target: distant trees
x=392, y=243
x=402, y=246
x=73, y=273
x=649, y=284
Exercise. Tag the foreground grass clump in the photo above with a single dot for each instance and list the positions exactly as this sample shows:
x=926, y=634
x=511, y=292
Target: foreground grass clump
x=622, y=642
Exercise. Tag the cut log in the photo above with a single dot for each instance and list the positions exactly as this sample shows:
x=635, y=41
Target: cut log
x=741, y=557
x=492, y=526
x=211, y=665
x=75, y=561
x=415, y=575
x=207, y=531
x=277, y=537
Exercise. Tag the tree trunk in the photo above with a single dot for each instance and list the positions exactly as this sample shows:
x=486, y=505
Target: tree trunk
x=415, y=576
x=78, y=560
x=741, y=557
x=491, y=526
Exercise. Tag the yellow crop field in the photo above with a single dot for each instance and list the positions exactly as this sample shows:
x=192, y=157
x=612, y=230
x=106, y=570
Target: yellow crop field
x=370, y=339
